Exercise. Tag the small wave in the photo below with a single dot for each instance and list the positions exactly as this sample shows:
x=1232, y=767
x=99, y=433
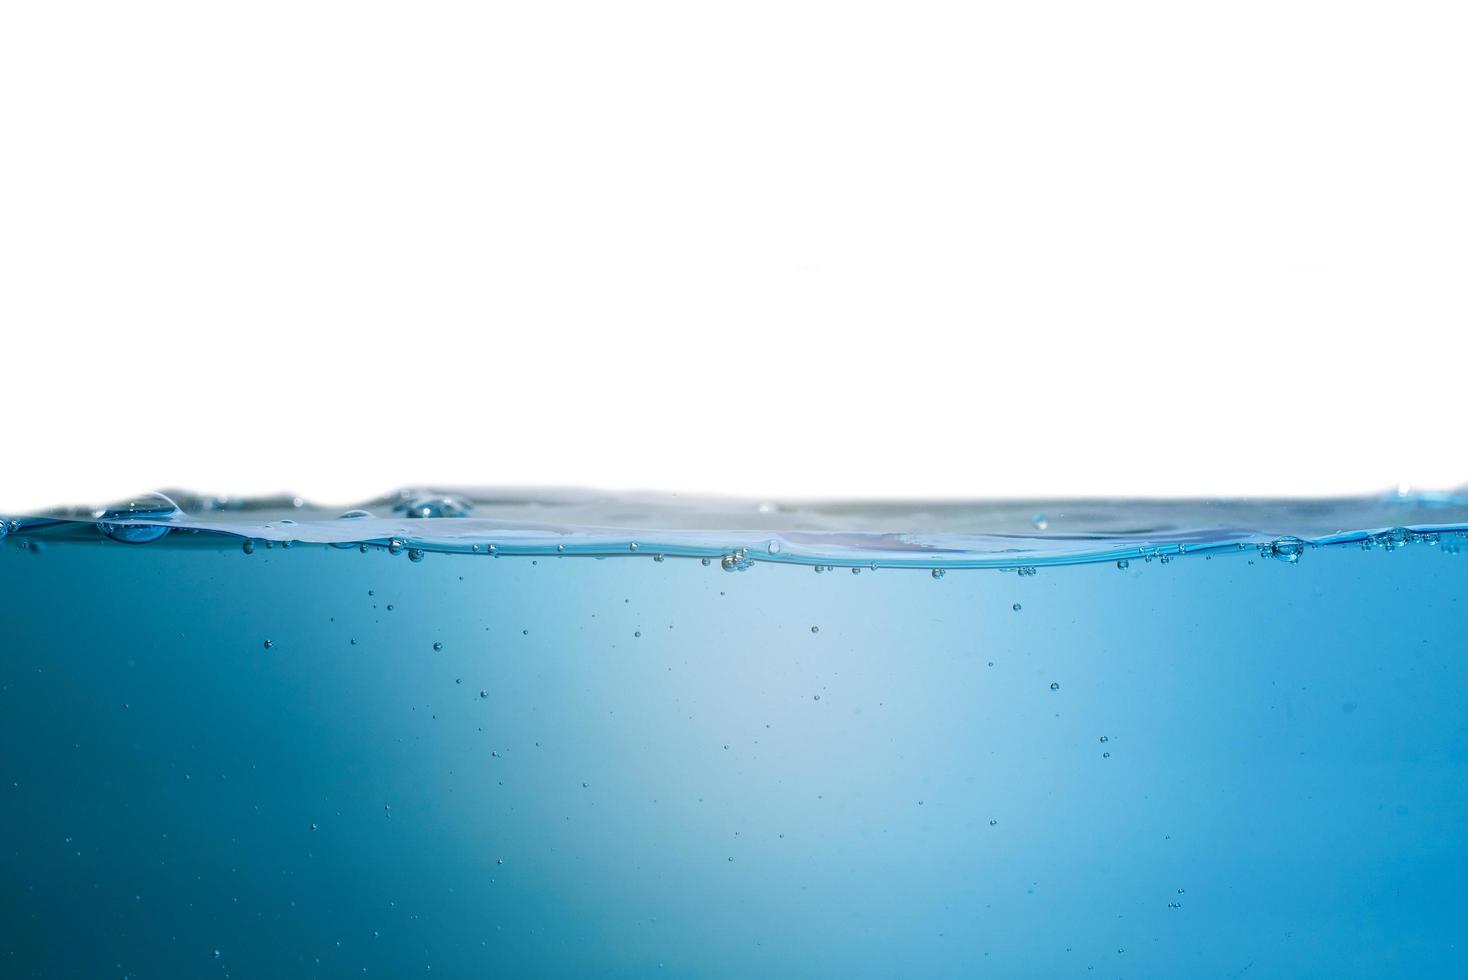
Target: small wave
x=1012, y=534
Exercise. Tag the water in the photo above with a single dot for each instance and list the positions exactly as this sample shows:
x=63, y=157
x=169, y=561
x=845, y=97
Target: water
x=566, y=735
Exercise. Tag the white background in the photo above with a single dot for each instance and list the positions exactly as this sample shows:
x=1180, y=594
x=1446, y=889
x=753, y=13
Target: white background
x=781, y=248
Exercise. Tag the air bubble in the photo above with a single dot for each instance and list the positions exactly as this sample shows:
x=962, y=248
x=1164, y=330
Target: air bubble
x=148, y=507
x=1286, y=549
x=1054, y=686
x=248, y=547
x=415, y=554
x=773, y=547
x=437, y=646
x=939, y=573
x=395, y=547
x=269, y=644
x=434, y=505
x=1016, y=607
x=1039, y=522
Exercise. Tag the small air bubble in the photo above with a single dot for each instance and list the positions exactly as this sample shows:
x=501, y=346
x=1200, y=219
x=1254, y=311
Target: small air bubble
x=938, y=573
x=437, y=645
x=1054, y=686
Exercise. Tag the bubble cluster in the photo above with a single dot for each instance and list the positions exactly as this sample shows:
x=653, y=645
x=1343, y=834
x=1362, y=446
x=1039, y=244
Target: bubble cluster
x=736, y=561
x=1398, y=537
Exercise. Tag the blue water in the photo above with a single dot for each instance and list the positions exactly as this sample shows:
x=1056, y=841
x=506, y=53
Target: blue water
x=567, y=735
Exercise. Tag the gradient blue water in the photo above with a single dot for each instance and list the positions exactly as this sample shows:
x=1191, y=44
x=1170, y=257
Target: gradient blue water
x=1219, y=765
